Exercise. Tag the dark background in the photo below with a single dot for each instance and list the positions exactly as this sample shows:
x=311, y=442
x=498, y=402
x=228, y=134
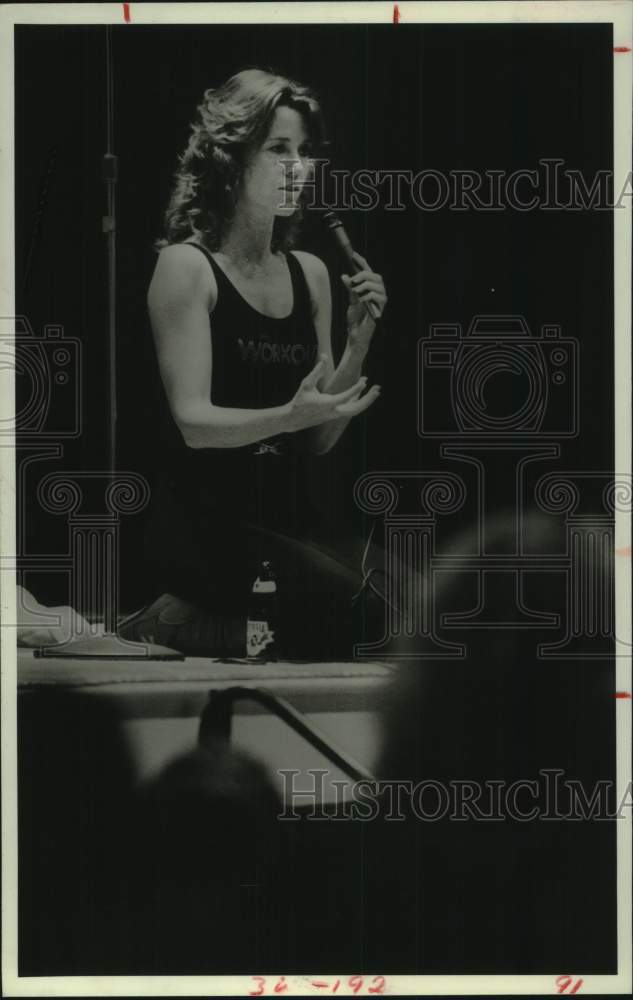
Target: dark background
x=413, y=97
x=409, y=97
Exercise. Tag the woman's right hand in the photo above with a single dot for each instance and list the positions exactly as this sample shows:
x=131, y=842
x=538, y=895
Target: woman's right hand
x=311, y=407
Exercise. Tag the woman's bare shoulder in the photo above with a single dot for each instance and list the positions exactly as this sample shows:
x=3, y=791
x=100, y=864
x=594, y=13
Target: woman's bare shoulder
x=316, y=274
x=182, y=270
x=312, y=265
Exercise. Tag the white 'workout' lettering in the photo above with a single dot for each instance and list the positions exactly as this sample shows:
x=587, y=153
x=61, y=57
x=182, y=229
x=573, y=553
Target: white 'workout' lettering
x=277, y=354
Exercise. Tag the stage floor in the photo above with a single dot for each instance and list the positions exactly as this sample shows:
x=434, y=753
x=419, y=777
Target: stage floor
x=158, y=705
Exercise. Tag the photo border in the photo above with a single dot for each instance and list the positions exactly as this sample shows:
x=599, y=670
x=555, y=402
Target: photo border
x=620, y=14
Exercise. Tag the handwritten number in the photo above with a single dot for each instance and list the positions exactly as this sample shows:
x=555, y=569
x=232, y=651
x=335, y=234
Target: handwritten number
x=356, y=983
x=380, y=985
x=562, y=982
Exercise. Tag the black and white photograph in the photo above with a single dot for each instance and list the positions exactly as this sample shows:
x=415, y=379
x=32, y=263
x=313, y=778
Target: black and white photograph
x=315, y=455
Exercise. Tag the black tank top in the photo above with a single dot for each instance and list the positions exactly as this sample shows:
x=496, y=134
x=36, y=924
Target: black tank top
x=257, y=361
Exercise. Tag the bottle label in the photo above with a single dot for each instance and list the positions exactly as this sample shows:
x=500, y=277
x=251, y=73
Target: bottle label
x=259, y=636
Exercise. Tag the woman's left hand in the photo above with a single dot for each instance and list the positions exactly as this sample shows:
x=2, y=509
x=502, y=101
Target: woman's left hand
x=365, y=286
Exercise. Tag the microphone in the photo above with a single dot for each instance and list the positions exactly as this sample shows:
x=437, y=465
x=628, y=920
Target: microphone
x=337, y=229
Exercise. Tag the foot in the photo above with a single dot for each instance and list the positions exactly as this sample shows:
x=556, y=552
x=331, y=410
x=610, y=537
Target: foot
x=159, y=621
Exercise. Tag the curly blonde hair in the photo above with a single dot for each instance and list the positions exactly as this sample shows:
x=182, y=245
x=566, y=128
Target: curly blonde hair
x=231, y=121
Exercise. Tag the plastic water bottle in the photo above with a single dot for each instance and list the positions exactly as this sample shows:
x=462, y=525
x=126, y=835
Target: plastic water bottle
x=261, y=623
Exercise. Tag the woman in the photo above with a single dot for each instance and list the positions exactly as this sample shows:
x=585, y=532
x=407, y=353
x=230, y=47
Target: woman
x=242, y=331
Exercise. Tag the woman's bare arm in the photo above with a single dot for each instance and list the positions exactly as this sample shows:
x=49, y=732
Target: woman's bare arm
x=349, y=369
x=181, y=295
